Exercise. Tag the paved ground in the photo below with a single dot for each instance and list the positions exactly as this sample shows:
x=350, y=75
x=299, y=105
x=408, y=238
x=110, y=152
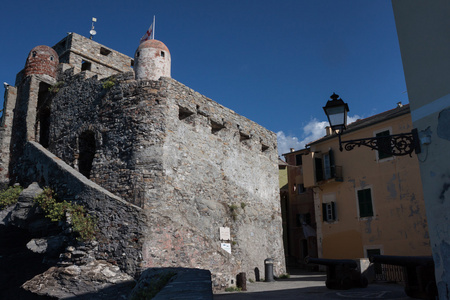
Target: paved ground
x=312, y=286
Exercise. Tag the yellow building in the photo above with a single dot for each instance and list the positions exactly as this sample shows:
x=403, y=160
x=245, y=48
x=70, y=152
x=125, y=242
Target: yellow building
x=367, y=202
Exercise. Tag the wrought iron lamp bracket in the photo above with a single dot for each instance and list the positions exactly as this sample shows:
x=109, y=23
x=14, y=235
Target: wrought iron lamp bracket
x=396, y=144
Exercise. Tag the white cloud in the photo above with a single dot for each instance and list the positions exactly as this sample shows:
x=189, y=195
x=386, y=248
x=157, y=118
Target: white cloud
x=312, y=131
x=287, y=142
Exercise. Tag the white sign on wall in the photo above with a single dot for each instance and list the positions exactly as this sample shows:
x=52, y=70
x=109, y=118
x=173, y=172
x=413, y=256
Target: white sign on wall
x=226, y=247
x=225, y=233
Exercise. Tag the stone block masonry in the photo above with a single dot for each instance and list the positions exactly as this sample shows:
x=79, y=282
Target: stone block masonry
x=87, y=55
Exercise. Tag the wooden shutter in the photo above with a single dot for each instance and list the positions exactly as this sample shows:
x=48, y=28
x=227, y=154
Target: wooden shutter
x=365, y=203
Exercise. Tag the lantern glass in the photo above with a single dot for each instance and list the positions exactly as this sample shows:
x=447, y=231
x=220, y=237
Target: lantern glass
x=336, y=111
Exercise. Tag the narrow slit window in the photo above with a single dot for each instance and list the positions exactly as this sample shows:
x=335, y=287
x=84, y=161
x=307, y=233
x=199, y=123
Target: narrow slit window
x=163, y=54
x=85, y=65
x=216, y=127
x=104, y=51
x=184, y=113
x=243, y=136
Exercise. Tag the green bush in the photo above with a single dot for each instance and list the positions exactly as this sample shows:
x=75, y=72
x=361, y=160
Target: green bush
x=233, y=211
x=9, y=196
x=284, y=276
x=83, y=224
x=55, y=88
x=109, y=83
x=233, y=289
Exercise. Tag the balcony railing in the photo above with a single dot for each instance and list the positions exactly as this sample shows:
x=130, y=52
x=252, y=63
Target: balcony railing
x=333, y=174
x=338, y=173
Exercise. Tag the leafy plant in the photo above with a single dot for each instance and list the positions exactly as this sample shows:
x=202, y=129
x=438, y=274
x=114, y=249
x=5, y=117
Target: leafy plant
x=82, y=223
x=233, y=210
x=9, y=196
x=55, y=88
x=233, y=289
x=109, y=83
x=243, y=205
x=284, y=276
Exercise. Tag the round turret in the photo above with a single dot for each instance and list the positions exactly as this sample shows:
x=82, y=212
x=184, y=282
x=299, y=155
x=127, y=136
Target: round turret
x=152, y=60
x=42, y=60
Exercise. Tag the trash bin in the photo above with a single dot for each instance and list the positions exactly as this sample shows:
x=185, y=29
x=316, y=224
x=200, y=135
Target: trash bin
x=268, y=270
x=241, y=281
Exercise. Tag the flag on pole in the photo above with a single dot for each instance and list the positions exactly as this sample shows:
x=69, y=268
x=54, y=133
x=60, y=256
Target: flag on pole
x=150, y=34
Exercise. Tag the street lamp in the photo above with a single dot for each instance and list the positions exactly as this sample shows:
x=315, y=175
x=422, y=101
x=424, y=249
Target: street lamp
x=336, y=111
x=396, y=144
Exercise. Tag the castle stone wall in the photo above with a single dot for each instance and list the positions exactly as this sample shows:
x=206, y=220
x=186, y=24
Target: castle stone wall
x=119, y=117
x=192, y=164
x=220, y=170
x=6, y=122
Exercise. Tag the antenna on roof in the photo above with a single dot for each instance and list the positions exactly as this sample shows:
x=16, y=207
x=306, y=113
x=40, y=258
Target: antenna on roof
x=93, y=32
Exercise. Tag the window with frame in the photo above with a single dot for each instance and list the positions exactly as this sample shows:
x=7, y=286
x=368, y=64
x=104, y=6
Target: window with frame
x=298, y=160
x=329, y=211
x=324, y=166
x=384, y=143
x=365, y=203
x=300, y=188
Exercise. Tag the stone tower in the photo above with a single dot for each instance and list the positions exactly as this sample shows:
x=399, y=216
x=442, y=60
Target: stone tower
x=151, y=61
x=42, y=60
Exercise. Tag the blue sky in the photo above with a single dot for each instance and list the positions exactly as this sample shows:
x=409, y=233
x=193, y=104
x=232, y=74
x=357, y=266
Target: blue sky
x=274, y=61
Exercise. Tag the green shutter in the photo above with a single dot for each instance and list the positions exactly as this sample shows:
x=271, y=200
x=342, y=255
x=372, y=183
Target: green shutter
x=365, y=203
x=384, y=142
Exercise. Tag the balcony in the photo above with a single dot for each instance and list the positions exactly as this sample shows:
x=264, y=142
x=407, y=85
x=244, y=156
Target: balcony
x=327, y=175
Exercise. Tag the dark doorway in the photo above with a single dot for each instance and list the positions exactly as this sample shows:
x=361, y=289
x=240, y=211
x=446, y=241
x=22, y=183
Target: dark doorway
x=42, y=127
x=86, y=146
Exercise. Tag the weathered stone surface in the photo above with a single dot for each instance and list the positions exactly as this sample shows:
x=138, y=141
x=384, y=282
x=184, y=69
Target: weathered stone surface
x=5, y=215
x=25, y=210
x=52, y=245
x=95, y=280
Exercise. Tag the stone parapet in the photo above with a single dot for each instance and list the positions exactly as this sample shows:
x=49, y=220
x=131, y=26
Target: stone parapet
x=120, y=225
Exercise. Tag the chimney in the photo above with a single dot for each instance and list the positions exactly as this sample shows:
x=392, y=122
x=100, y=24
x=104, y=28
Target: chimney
x=292, y=150
x=328, y=131
x=399, y=104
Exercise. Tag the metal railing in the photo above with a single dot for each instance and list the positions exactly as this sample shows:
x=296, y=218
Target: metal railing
x=390, y=273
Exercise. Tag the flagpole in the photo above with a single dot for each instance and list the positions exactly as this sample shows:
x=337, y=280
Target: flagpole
x=153, y=27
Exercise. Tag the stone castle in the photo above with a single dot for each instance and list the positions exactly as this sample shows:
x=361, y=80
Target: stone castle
x=173, y=178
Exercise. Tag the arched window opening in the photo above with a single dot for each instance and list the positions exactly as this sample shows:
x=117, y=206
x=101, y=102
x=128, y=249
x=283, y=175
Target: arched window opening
x=86, y=146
